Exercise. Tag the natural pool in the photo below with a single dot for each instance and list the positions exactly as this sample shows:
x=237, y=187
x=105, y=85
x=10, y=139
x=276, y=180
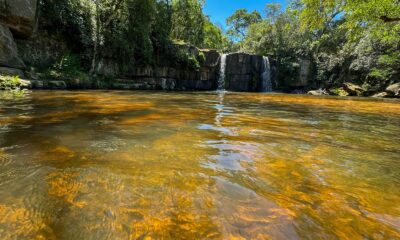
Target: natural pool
x=157, y=165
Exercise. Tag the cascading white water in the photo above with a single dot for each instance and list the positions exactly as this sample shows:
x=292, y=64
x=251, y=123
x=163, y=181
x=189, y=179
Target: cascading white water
x=266, y=76
x=221, y=80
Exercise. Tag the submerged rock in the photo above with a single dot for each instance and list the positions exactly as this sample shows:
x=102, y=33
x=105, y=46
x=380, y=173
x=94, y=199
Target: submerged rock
x=381, y=95
x=319, y=92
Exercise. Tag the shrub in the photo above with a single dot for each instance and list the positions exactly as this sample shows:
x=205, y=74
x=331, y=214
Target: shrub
x=201, y=58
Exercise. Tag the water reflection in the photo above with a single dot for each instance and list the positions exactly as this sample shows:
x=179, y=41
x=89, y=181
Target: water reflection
x=141, y=165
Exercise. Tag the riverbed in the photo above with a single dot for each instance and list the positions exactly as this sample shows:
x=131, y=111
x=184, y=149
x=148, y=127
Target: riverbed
x=192, y=165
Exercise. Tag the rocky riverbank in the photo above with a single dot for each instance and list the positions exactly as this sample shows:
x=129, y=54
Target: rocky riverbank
x=350, y=89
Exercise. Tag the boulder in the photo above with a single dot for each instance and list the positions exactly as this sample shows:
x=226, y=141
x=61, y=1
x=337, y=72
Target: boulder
x=353, y=89
x=20, y=16
x=394, y=90
x=319, y=92
x=8, y=49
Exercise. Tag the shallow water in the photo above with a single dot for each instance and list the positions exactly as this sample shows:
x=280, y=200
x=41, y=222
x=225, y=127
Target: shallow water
x=156, y=165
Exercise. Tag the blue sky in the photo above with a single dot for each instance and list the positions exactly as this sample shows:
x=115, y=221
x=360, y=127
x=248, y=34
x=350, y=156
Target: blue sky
x=219, y=10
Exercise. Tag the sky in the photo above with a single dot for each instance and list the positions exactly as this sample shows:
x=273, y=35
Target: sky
x=220, y=10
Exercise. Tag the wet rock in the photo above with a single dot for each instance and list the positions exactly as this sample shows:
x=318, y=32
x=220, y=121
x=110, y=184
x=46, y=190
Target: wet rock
x=8, y=49
x=319, y=92
x=56, y=85
x=353, y=89
x=12, y=72
x=25, y=84
x=381, y=95
x=394, y=90
x=36, y=84
x=20, y=17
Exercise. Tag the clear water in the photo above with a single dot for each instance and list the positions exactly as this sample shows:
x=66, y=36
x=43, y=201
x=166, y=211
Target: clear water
x=154, y=165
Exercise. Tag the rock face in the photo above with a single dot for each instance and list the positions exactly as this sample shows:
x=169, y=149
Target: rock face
x=41, y=50
x=243, y=72
x=17, y=20
x=8, y=49
x=12, y=72
x=20, y=16
x=169, y=77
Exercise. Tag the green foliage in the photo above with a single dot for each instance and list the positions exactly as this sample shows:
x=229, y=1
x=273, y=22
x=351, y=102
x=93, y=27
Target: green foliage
x=187, y=60
x=69, y=18
x=69, y=67
x=129, y=32
x=12, y=84
x=213, y=36
x=387, y=68
x=201, y=58
x=9, y=83
x=4, y=8
x=239, y=23
x=356, y=41
x=188, y=21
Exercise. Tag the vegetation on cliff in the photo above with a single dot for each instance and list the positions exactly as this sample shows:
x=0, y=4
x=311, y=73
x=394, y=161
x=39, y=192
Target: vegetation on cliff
x=347, y=41
x=131, y=32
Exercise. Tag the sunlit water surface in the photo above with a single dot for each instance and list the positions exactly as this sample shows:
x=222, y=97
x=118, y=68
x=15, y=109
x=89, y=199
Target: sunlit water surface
x=155, y=165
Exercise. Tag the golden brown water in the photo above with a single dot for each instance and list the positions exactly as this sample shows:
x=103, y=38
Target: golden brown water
x=154, y=165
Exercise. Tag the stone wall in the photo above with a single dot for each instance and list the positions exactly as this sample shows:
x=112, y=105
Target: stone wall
x=167, y=77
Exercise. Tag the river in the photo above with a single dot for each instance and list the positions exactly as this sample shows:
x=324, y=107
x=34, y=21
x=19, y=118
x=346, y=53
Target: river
x=190, y=165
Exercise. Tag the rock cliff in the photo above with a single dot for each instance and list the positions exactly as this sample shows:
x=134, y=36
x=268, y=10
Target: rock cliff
x=17, y=21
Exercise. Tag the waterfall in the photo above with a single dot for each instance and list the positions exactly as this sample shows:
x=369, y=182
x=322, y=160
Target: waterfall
x=266, y=84
x=221, y=80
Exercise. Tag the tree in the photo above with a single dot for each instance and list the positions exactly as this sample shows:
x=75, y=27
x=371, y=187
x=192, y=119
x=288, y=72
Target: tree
x=213, y=36
x=382, y=18
x=188, y=21
x=239, y=23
